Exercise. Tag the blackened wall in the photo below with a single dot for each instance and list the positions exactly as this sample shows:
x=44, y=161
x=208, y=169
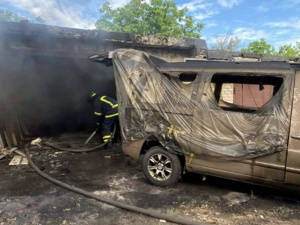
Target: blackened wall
x=45, y=74
x=50, y=92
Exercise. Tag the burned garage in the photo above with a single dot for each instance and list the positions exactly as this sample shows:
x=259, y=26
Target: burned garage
x=51, y=64
x=199, y=131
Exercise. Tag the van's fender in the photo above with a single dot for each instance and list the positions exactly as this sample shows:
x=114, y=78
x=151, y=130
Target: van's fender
x=133, y=148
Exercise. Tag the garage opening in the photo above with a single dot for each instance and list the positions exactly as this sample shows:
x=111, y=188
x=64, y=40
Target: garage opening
x=45, y=78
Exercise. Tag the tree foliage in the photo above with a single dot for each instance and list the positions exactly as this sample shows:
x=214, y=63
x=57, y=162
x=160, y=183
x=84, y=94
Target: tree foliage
x=9, y=16
x=158, y=17
x=260, y=47
x=289, y=50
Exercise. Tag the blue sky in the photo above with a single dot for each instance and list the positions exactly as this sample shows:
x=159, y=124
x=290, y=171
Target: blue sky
x=278, y=21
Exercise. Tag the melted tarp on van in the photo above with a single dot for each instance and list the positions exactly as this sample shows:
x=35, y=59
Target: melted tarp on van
x=180, y=105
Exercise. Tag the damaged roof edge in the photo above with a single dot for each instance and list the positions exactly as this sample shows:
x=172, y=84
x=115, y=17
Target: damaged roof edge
x=217, y=56
x=275, y=67
x=194, y=66
x=43, y=30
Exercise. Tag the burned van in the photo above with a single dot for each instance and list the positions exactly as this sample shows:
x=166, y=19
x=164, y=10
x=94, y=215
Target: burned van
x=237, y=120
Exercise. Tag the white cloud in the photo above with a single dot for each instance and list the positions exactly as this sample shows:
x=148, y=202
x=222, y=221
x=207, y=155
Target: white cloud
x=205, y=15
x=210, y=24
x=285, y=37
x=195, y=5
x=200, y=9
x=228, y=3
x=262, y=8
x=292, y=23
x=54, y=13
x=250, y=34
x=290, y=40
x=281, y=32
x=287, y=4
x=275, y=37
x=277, y=24
x=119, y=3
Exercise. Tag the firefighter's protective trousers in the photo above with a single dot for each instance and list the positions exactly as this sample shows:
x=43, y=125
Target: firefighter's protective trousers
x=106, y=113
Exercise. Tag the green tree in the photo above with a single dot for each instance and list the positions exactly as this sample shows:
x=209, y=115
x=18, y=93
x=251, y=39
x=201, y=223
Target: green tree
x=158, y=17
x=290, y=50
x=261, y=47
x=9, y=16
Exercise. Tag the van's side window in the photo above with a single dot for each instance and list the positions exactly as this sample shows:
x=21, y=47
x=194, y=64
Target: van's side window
x=245, y=93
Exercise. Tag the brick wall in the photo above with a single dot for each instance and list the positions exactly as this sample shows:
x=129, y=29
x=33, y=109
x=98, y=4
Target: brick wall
x=227, y=93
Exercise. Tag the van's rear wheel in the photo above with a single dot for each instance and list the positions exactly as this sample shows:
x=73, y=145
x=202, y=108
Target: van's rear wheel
x=161, y=167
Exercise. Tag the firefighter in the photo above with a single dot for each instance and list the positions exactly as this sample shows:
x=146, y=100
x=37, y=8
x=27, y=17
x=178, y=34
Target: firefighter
x=105, y=113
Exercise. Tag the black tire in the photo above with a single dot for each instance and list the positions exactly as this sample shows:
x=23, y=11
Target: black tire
x=161, y=167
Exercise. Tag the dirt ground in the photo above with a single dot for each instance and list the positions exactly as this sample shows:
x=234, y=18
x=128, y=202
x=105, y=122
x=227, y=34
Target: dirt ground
x=27, y=198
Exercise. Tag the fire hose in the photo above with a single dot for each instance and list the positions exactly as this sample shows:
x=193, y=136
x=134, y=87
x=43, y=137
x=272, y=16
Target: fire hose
x=39, y=142
x=72, y=150
x=128, y=207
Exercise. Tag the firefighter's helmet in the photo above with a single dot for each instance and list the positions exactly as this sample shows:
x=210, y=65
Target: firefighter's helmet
x=91, y=97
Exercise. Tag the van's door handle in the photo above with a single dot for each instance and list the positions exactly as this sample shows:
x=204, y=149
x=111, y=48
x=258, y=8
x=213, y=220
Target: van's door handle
x=295, y=137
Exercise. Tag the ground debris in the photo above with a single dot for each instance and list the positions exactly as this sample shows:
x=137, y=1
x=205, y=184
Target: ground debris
x=235, y=198
x=26, y=198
